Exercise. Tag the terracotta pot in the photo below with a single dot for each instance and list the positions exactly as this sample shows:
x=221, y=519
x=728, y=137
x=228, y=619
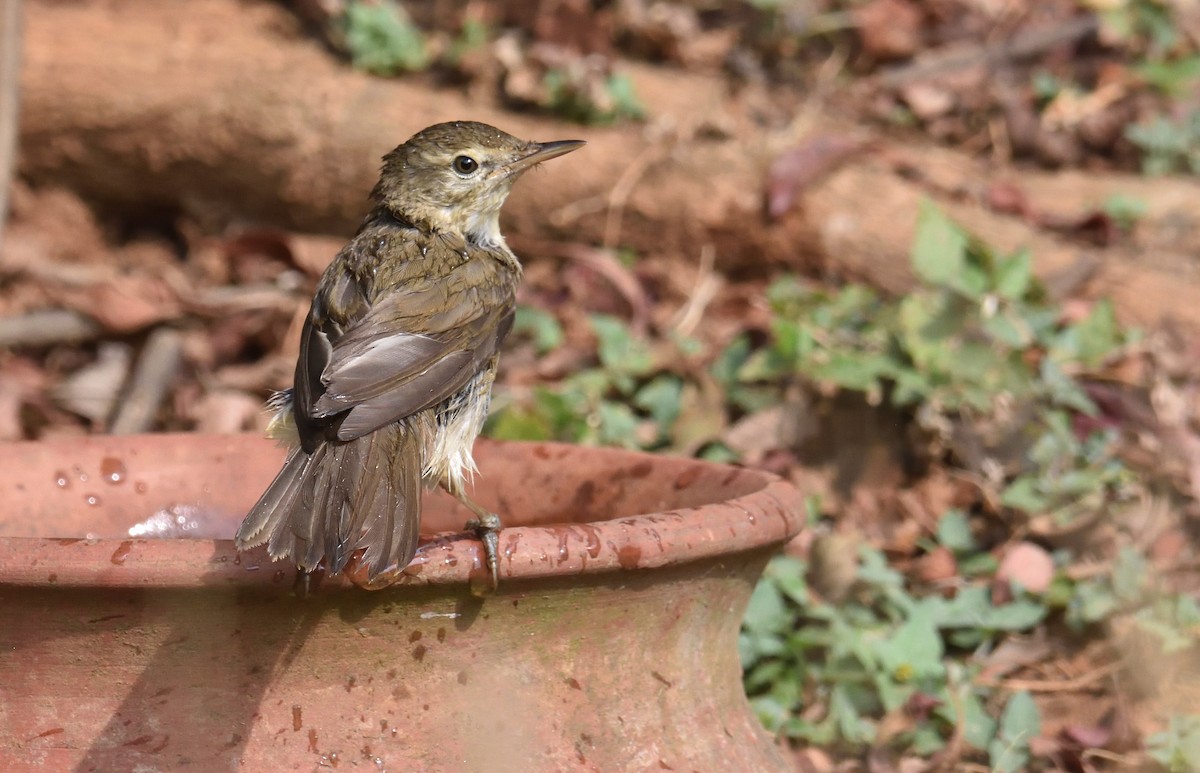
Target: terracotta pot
x=610, y=645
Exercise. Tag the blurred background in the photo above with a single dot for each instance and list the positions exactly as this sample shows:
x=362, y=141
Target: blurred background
x=935, y=261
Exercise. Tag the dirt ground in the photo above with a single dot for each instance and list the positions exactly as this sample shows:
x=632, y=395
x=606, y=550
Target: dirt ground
x=184, y=173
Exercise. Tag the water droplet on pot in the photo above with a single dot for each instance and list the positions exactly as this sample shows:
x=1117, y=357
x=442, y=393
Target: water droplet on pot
x=61, y=480
x=112, y=470
x=119, y=555
x=91, y=499
x=140, y=487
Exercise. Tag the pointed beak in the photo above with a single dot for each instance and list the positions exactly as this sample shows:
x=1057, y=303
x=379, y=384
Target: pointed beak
x=544, y=151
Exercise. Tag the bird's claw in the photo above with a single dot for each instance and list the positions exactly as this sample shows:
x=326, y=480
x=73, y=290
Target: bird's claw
x=487, y=528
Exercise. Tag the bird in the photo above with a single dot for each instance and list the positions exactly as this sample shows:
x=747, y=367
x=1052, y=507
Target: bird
x=397, y=359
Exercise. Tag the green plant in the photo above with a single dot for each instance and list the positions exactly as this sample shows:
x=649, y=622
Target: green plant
x=975, y=339
x=1147, y=25
x=1125, y=211
x=382, y=39
x=1168, y=145
x=613, y=101
x=473, y=36
x=628, y=399
x=1178, y=747
x=828, y=673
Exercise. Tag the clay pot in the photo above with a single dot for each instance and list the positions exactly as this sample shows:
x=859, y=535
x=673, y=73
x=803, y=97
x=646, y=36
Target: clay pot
x=610, y=644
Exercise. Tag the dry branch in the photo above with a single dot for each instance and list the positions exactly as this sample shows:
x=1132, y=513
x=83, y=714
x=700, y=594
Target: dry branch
x=10, y=59
x=156, y=368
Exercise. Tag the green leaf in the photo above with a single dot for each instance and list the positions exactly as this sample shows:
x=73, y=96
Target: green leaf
x=382, y=39
x=1024, y=494
x=972, y=608
x=1020, y=722
x=626, y=104
x=540, y=325
x=515, y=423
x=767, y=611
x=1092, y=602
x=1178, y=747
x=788, y=575
x=978, y=565
x=1170, y=77
x=661, y=399
x=618, y=424
x=1125, y=210
x=1007, y=330
x=939, y=248
x=616, y=347
x=979, y=727
x=954, y=532
x=727, y=364
x=1130, y=572
x=852, y=727
x=1014, y=275
x=914, y=652
x=858, y=371
x=1097, y=335
x=1020, y=615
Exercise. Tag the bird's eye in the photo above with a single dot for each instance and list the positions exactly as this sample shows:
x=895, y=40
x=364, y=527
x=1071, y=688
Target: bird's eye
x=465, y=165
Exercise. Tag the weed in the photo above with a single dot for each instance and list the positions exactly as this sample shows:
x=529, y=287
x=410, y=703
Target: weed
x=382, y=39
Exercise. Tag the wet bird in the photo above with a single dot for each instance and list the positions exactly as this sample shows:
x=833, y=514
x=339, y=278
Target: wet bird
x=397, y=358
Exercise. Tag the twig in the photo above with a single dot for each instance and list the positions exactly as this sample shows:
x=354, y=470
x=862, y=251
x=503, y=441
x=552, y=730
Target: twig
x=1081, y=682
x=708, y=283
x=625, y=281
x=622, y=189
x=47, y=327
x=10, y=82
x=156, y=367
x=1023, y=46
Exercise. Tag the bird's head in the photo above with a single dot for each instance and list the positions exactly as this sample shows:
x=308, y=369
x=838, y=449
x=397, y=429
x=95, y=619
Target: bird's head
x=454, y=177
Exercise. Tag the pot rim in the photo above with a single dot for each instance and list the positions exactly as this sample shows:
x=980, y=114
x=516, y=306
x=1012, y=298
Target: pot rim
x=767, y=516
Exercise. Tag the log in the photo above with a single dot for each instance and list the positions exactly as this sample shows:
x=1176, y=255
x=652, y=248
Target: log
x=225, y=112
x=1151, y=275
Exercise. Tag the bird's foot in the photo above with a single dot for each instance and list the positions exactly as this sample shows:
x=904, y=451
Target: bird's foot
x=307, y=581
x=487, y=528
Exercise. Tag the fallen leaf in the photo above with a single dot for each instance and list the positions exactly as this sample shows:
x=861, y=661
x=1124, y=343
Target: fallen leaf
x=798, y=169
x=937, y=566
x=888, y=29
x=927, y=100
x=92, y=390
x=125, y=304
x=1087, y=736
x=1027, y=565
x=225, y=411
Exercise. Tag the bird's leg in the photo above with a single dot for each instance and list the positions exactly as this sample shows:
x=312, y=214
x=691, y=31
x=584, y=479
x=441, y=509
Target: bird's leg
x=486, y=526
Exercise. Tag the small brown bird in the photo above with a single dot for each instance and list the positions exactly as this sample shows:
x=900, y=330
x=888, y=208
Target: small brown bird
x=397, y=357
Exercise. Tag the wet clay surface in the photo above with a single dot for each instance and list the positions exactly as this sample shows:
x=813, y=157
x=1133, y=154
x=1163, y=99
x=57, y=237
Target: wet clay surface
x=156, y=503
x=610, y=644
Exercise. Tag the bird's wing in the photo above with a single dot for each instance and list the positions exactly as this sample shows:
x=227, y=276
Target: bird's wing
x=413, y=347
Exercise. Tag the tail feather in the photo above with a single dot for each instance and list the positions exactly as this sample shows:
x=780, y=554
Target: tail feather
x=394, y=486
x=344, y=496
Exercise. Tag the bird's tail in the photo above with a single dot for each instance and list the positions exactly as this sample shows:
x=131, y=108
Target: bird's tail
x=325, y=505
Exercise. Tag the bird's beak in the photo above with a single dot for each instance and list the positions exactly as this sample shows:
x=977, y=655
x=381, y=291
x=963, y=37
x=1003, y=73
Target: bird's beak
x=544, y=151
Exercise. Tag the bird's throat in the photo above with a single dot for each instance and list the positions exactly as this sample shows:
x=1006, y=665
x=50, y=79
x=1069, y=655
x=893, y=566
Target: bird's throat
x=483, y=230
